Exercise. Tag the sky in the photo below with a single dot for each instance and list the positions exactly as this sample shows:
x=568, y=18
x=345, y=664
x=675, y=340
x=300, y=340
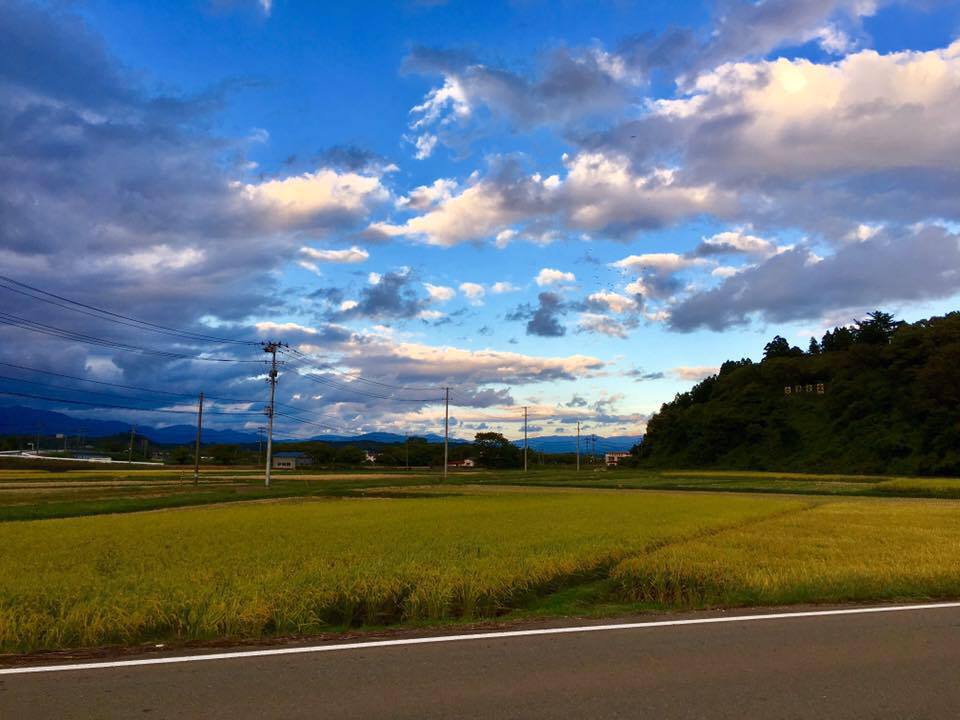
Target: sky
x=578, y=207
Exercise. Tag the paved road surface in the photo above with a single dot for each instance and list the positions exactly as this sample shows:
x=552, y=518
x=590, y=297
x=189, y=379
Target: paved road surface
x=900, y=665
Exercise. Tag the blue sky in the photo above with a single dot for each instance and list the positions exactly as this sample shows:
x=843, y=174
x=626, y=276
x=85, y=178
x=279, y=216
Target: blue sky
x=579, y=207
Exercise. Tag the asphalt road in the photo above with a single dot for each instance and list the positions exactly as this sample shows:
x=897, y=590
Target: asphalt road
x=902, y=665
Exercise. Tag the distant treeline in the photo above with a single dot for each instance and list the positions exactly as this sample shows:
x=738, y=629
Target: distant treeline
x=890, y=404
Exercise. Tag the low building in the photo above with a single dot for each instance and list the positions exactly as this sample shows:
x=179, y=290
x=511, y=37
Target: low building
x=91, y=457
x=290, y=460
x=371, y=457
x=465, y=463
x=614, y=458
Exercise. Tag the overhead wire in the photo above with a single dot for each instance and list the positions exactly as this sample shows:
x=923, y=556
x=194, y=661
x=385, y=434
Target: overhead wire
x=103, y=314
x=52, y=330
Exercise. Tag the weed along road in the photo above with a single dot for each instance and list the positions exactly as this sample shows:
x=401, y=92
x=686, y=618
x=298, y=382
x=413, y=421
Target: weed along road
x=880, y=662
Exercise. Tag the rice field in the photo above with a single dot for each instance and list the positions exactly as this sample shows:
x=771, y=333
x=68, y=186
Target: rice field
x=845, y=550
x=297, y=567
x=314, y=555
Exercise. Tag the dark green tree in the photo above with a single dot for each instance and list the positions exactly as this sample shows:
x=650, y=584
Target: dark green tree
x=876, y=329
x=840, y=339
x=494, y=450
x=780, y=348
x=350, y=455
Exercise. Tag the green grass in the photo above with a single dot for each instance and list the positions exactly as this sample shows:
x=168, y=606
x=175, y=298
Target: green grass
x=295, y=567
x=32, y=494
x=836, y=551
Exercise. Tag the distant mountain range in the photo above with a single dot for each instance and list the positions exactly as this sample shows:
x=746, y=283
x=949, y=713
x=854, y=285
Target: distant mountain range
x=18, y=420
x=568, y=444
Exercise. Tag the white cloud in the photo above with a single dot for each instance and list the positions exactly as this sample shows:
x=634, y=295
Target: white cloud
x=159, y=258
x=549, y=276
x=694, y=373
x=614, y=301
x=602, y=324
x=638, y=287
x=439, y=293
x=478, y=211
x=299, y=198
x=374, y=278
x=801, y=118
x=287, y=327
x=738, y=241
x=834, y=40
x=599, y=192
x=724, y=271
x=348, y=305
x=311, y=266
x=661, y=262
x=425, y=145
x=501, y=287
x=430, y=315
x=505, y=236
x=350, y=255
x=427, y=196
x=863, y=232
x=473, y=291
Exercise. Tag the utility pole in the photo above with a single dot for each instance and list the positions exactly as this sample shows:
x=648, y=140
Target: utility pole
x=37, y=446
x=578, y=446
x=133, y=431
x=260, y=430
x=271, y=347
x=446, y=430
x=196, y=449
x=524, y=438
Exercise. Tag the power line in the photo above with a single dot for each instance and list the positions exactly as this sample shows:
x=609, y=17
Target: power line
x=117, y=407
x=165, y=393
x=51, y=330
x=108, y=315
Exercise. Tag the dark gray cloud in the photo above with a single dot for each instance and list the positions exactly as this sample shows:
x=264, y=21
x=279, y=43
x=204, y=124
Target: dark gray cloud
x=576, y=401
x=543, y=319
x=794, y=285
x=351, y=158
x=639, y=375
x=575, y=84
x=392, y=296
x=570, y=87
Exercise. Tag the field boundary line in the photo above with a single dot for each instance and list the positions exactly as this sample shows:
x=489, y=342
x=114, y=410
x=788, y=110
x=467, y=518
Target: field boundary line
x=235, y=655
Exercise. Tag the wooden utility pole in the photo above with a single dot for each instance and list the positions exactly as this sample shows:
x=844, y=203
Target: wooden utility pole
x=524, y=438
x=133, y=430
x=578, y=446
x=196, y=449
x=271, y=348
x=446, y=431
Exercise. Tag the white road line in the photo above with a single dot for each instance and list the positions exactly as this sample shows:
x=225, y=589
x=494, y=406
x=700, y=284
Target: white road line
x=471, y=636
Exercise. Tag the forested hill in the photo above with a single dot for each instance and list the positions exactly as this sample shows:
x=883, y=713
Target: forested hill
x=890, y=404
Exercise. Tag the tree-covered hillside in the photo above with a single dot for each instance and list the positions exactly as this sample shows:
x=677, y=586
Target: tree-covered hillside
x=890, y=404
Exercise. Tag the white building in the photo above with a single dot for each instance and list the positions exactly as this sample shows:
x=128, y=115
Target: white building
x=614, y=458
